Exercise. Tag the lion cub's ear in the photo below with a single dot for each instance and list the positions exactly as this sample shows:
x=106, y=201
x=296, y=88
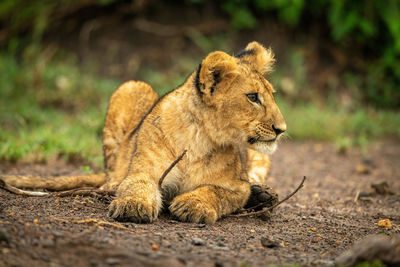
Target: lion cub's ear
x=216, y=68
x=262, y=59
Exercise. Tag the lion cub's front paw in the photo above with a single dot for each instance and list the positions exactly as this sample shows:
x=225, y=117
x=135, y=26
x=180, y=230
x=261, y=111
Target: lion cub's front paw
x=261, y=196
x=133, y=209
x=189, y=208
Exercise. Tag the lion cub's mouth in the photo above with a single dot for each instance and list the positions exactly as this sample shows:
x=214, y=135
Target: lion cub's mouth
x=253, y=140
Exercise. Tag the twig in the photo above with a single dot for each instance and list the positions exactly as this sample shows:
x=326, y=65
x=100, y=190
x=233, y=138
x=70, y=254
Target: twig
x=273, y=206
x=357, y=195
x=94, y=221
x=84, y=191
x=170, y=168
x=18, y=191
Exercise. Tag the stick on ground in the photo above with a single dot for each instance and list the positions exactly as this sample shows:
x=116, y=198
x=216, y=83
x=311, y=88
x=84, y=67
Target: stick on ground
x=264, y=210
x=84, y=191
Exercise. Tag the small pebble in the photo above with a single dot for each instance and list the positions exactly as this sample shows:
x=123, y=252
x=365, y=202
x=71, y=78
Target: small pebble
x=113, y=261
x=198, y=241
x=94, y=262
x=323, y=262
x=266, y=216
x=166, y=244
x=364, y=196
x=382, y=188
x=4, y=236
x=362, y=169
x=221, y=244
x=48, y=243
x=268, y=243
x=367, y=160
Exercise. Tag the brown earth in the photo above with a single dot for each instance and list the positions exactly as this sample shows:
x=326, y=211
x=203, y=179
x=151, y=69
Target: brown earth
x=312, y=228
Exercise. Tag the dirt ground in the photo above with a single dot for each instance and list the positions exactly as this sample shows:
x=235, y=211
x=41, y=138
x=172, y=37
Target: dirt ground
x=316, y=225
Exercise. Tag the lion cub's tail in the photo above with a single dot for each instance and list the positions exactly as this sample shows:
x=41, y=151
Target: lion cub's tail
x=54, y=183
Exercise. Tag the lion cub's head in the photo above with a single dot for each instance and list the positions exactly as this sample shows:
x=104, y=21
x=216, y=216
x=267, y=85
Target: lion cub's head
x=239, y=99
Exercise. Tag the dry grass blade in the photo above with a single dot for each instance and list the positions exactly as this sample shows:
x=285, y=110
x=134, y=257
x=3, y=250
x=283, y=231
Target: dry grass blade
x=94, y=221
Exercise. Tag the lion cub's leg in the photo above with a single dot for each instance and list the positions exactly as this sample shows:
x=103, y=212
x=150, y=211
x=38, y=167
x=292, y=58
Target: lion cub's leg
x=258, y=166
x=128, y=105
x=138, y=200
x=209, y=202
x=138, y=196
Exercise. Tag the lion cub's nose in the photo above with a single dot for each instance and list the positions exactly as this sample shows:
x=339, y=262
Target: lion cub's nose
x=279, y=129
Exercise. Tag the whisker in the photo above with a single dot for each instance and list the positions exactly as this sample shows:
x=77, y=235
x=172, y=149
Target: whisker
x=285, y=137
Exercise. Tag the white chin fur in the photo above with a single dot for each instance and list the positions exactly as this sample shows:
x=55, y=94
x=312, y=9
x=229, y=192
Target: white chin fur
x=267, y=149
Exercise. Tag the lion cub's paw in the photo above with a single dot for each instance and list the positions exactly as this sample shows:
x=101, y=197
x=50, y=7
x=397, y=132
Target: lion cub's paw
x=261, y=196
x=189, y=208
x=133, y=209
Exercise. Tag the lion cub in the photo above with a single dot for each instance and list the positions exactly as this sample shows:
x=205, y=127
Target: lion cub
x=222, y=124
x=216, y=121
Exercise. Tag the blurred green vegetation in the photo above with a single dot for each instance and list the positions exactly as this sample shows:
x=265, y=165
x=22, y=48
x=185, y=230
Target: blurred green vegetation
x=373, y=263
x=51, y=105
x=52, y=108
x=372, y=26
x=49, y=109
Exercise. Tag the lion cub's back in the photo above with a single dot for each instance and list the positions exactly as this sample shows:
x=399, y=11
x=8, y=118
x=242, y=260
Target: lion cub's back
x=128, y=105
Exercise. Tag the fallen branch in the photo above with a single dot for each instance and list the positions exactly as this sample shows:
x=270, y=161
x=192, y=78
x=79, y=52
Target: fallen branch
x=268, y=209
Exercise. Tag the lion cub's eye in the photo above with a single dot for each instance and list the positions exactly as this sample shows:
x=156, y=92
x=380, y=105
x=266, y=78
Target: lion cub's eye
x=253, y=97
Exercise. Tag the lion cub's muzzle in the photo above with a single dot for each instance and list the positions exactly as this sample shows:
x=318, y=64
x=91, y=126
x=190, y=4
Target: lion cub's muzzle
x=267, y=134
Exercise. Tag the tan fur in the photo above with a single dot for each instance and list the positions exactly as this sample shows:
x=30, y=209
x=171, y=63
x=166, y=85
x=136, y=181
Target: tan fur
x=258, y=165
x=52, y=183
x=211, y=118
